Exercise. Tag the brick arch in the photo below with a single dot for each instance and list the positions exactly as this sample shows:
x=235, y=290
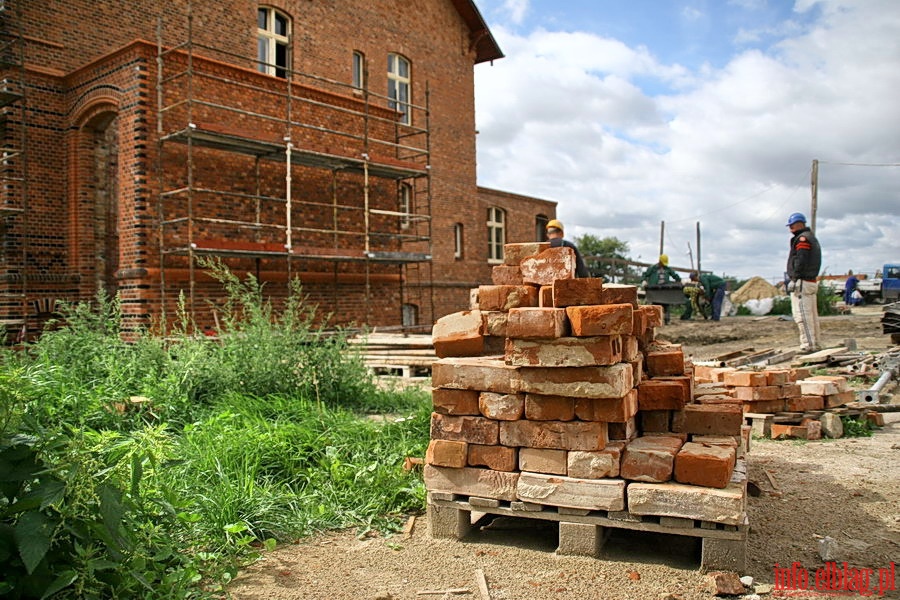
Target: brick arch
x=94, y=199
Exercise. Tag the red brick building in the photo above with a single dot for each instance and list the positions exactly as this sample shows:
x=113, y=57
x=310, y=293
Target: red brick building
x=322, y=140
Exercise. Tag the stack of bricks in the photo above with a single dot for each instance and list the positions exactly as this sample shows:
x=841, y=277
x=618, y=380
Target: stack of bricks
x=774, y=391
x=584, y=410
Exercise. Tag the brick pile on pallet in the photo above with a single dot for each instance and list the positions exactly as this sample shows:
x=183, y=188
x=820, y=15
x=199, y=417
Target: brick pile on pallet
x=792, y=394
x=582, y=413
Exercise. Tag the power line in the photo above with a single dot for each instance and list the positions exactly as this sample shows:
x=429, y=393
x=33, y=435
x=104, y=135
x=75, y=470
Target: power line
x=849, y=164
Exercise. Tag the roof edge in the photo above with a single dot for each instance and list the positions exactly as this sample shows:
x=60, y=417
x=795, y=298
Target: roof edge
x=480, y=37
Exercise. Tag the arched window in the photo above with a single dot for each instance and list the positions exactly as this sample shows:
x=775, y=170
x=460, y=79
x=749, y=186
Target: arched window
x=398, y=86
x=496, y=228
x=272, y=41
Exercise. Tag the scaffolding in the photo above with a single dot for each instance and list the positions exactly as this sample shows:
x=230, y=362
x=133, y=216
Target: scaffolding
x=13, y=174
x=215, y=105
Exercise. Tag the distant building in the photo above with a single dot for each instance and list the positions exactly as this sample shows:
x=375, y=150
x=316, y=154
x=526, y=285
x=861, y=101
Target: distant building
x=330, y=142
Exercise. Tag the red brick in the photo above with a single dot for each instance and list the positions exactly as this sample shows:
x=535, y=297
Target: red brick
x=485, y=374
x=745, y=378
x=545, y=296
x=613, y=410
x=498, y=458
x=595, y=465
x=655, y=421
x=475, y=430
x=623, y=431
x=640, y=323
x=606, y=319
x=661, y=395
x=764, y=406
x=455, y=402
x=506, y=275
x=654, y=313
x=703, y=464
x=529, y=323
x=767, y=392
x=790, y=390
x=543, y=460
x=712, y=419
x=571, y=435
x=650, y=459
x=619, y=293
x=577, y=382
x=494, y=322
x=574, y=292
x=447, y=453
x=840, y=399
x=514, y=254
x=458, y=334
x=630, y=350
x=549, y=265
x=501, y=407
x=505, y=297
x=549, y=408
x=660, y=361
x=564, y=352
x=804, y=403
x=778, y=376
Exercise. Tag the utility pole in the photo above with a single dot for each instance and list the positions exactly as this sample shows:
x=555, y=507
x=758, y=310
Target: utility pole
x=814, y=201
x=698, y=248
x=662, y=234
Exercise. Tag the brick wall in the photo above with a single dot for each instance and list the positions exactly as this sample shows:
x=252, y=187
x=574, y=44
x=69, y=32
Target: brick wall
x=96, y=172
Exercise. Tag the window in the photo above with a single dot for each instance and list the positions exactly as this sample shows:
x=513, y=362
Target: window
x=458, y=241
x=405, y=201
x=272, y=42
x=540, y=228
x=496, y=220
x=359, y=70
x=398, y=86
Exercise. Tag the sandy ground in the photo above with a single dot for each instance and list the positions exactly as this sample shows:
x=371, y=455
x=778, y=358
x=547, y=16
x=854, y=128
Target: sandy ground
x=845, y=492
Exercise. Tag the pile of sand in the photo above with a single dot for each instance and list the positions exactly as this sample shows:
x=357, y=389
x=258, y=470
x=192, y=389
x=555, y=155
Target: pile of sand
x=756, y=288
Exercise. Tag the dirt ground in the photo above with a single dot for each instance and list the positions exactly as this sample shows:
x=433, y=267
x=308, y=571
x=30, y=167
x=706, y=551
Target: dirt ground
x=837, y=495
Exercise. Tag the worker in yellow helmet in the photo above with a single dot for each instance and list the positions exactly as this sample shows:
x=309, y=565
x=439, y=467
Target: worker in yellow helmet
x=555, y=235
x=661, y=274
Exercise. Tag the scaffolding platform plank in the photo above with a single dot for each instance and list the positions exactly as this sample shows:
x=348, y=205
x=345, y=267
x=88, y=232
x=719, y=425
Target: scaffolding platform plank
x=232, y=141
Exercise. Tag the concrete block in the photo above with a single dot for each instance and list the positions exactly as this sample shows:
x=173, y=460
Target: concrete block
x=581, y=539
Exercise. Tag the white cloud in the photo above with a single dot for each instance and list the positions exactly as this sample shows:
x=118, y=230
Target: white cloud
x=623, y=140
x=516, y=10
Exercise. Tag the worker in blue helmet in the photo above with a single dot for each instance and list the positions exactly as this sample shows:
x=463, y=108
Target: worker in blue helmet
x=803, y=264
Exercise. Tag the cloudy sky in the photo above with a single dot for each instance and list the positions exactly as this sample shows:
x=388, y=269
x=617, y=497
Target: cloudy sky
x=633, y=113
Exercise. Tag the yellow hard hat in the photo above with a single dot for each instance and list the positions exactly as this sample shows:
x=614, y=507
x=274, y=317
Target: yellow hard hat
x=554, y=224
x=664, y=259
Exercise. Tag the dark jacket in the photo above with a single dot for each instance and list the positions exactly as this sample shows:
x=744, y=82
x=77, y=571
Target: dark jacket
x=580, y=268
x=711, y=283
x=805, y=258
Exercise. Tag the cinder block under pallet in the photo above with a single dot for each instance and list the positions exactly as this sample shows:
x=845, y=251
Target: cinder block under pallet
x=583, y=533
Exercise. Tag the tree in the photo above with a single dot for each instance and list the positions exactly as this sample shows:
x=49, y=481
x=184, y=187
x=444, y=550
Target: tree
x=601, y=254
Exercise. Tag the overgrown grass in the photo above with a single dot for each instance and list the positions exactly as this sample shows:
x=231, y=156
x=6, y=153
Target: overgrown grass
x=230, y=445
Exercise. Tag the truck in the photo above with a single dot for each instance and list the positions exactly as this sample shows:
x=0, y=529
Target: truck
x=884, y=287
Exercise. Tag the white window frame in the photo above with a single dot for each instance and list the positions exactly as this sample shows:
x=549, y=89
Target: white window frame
x=269, y=40
x=399, y=86
x=458, y=241
x=405, y=203
x=496, y=229
x=358, y=69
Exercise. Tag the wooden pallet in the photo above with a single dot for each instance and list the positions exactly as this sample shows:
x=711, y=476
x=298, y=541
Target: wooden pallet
x=583, y=532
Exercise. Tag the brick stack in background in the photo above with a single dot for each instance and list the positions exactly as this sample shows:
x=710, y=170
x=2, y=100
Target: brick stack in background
x=792, y=394
x=583, y=411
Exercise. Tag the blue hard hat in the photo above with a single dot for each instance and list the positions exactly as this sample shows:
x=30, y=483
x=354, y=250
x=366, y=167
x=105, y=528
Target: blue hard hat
x=796, y=218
